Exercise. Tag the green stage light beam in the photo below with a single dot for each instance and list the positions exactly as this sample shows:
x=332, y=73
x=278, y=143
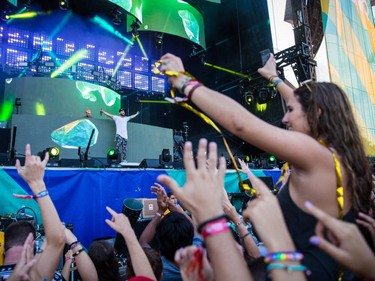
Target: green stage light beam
x=6, y=110
x=140, y=46
x=76, y=57
x=126, y=51
x=108, y=27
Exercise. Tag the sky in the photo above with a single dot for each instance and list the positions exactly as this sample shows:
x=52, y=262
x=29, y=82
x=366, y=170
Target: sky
x=283, y=38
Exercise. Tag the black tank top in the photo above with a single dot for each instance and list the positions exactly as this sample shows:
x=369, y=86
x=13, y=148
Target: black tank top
x=301, y=226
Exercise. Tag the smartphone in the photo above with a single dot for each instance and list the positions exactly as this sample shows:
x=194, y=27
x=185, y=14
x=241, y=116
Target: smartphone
x=264, y=56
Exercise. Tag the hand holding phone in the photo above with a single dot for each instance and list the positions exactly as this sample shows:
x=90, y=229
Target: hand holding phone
x=264, y=56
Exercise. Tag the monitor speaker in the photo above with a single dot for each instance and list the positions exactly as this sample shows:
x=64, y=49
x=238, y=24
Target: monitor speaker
x=149, y=163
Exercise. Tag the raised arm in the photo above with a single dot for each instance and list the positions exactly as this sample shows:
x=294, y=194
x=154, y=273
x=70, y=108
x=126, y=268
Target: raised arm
x=134, y=115
x=202, y=195
x=106, y=113
x=149, y=232
x=285, y=144
x=267, y=218
x=120, y=223
x=85, y=266
x=33, y=174
x=269, y=72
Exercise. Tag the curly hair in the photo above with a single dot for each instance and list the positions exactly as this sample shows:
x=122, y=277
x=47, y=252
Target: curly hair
x=331, y=119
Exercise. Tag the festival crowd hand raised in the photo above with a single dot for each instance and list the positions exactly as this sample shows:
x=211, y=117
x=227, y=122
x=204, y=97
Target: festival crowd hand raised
x=349, y=247
x=202, y=186
x=33, y=170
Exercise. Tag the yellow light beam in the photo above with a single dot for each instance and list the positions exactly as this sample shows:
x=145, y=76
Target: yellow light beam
x=126, y=51
x=76, y=57
x=227, y=70
x=141, y=46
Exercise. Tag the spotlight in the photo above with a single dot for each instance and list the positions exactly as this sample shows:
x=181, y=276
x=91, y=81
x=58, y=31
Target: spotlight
x=263, y=96
x=249, y=97
x=112, y=156
x=64, y=4
x=53, y=153
x=165, y=159
x=271, y=162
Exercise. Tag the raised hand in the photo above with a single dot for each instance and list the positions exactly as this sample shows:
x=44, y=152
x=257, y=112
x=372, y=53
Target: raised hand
x=201, y=194
x=244, y=167
x=368, y=222
x=269, y=69
x=33, y=171
x=349, y=248
x=193, y=263
x=119, y=222
x=161, y=196
x=266, y=215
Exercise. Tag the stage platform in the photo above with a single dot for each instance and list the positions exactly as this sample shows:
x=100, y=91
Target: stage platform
x=81, y=194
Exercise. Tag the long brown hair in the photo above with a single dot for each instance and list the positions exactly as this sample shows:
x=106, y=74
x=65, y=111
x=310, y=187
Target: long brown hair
x=331, y=119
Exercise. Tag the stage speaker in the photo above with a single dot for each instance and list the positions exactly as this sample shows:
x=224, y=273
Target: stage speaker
x=149, y=163
x=4, y=139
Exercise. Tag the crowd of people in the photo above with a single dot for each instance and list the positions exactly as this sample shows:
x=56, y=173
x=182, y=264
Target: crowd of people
x=320, y=226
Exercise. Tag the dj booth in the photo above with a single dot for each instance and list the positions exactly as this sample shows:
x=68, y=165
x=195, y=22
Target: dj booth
x=81, y=195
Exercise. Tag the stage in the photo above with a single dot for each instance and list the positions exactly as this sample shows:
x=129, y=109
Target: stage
x=81, y=195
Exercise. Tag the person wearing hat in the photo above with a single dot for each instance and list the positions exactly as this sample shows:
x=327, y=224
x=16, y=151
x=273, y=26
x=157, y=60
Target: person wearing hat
x=121, y=137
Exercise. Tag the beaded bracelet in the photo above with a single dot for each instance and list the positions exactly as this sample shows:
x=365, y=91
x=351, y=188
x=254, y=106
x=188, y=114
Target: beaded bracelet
x=289, y=267
x=215, y=227
x=283, y=256
x=40, y=194
x=203, y=224
x=158, y=214
x=78, y=252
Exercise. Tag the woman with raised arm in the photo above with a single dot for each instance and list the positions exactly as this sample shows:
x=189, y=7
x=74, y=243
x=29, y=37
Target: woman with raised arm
x=322, y=144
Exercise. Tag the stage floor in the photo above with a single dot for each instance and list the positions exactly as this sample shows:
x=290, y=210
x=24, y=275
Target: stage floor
x=81, y=194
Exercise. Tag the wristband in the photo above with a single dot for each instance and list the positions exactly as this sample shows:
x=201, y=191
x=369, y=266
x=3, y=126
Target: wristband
x=283, y=256
x=73, y=245
x=77, y=253
x=185, y=83
x=203, y=224
x=40, y=194
x=215, y=227
x=158, y=214
x=277, y=82
x=271, y=77
x=289, y=268
x=196, y=85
